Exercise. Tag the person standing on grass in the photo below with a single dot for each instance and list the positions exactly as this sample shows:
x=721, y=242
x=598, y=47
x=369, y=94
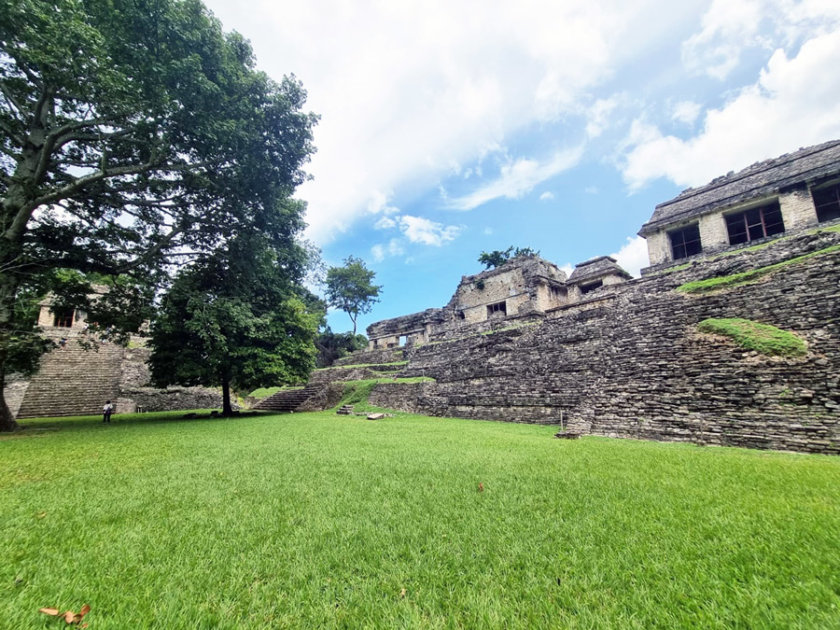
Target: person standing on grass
x=106, y=411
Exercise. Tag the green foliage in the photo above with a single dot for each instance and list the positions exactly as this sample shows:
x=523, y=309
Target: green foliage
x=234, y=319
x=351, y=289
x=497, y=258
x=136, y=134
x=320, y=521
x=333, y=346
x=751, y=335
x=748, y=277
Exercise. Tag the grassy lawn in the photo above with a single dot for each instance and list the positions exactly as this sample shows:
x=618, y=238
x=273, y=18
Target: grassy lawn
x=316, y=520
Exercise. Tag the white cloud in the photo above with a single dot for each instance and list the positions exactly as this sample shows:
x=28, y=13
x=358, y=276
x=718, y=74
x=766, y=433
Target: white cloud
x=547, y=196
x=517, y=178
x=392, y=248
x=794, y=103
x=633, y=256
x=385, y=223
x=728, y=27
x=591, y=190
x=686, y=112
x=407, y=90
x=731, y=27
x=598, y=115
x=421, y=230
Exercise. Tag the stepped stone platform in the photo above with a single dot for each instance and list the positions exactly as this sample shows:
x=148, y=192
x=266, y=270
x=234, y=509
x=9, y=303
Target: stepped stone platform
x=288, y=400
x=73, y=381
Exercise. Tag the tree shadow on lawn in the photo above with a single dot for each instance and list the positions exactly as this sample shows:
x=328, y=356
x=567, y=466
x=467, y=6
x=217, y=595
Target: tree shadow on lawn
x=34, y=426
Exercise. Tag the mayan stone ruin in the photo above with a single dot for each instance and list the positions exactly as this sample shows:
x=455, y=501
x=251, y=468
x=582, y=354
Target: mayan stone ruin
x=622, y=357
x=600, y=351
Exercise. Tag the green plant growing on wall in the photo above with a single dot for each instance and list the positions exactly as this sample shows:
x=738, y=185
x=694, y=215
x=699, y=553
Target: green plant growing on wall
x=751, y=335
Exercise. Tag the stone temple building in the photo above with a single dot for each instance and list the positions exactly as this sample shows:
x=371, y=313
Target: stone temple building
x=786, y=194
x=523, y=287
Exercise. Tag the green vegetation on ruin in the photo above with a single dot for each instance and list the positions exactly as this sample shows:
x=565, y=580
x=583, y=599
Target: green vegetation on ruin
x=362, y=365
x=751, y=335
x=314, y=520
x=265, y=392
x=356, y=393
x=748, y=277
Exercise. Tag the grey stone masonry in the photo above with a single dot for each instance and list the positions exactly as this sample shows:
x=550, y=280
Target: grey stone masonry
x=631, y=364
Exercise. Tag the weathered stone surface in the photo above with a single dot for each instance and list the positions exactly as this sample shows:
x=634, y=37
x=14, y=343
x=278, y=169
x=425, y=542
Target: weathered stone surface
x=634, y=365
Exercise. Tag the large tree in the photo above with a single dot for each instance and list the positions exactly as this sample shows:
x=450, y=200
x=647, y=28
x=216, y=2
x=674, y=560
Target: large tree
x=132, y=133
x=351, y=289
x=237, y=318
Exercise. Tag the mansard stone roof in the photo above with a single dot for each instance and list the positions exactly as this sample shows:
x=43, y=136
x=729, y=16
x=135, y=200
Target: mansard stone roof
x=597, y=268
x=759, y=180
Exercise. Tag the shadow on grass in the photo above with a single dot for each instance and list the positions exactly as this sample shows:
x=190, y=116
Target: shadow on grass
x=33, y=426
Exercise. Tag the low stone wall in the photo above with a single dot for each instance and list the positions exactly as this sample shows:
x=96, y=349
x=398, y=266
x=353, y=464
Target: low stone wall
x=169, y=399
x=400, y=396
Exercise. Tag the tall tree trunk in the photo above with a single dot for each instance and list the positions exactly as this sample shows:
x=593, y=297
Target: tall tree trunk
x=8, y=288
x=7, y=420
x=227, y=410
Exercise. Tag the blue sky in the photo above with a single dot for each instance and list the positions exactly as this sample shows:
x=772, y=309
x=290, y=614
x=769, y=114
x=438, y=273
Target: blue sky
x=449, y=128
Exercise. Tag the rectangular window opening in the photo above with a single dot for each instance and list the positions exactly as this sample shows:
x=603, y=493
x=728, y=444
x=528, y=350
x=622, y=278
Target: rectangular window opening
x=586, y=288
x=63, y=318
x=685, y=241
x=827, y=202
x=754, y=223
x=500, y=308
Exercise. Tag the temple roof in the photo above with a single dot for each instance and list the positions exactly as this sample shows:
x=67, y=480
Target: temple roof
x=597, y=268
x=762, y=179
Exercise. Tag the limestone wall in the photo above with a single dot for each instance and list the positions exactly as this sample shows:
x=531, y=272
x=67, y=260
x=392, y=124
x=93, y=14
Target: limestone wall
x=631, y=363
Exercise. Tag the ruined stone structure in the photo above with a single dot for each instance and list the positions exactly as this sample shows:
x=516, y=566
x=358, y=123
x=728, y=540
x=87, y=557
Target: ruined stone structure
x=73, y=380
x=520, y=290
x=618, y=357
x=786, y=194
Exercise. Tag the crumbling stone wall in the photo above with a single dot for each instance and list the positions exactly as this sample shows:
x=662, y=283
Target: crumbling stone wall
x=631, y=364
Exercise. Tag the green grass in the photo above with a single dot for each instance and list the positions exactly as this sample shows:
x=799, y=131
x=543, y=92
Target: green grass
x=356, y=393
x=748, y=277
x=324, y=521
x=751, y=335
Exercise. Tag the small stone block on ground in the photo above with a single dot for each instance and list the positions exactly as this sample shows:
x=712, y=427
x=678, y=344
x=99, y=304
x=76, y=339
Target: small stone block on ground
x=375, y=416
x=567, y=435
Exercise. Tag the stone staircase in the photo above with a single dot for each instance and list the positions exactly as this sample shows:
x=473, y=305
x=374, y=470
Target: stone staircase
x=73, y=381
x=288, y=400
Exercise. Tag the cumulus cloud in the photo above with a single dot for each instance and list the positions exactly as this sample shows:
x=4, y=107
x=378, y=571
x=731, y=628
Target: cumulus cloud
x=517, y=178
x=731, y=27
x=633, y=255
x=427, y=232
x=686, y=112
x=794, y=103
x=547, y=196
x=458, y=78
x=385, y=223
x=393, y=248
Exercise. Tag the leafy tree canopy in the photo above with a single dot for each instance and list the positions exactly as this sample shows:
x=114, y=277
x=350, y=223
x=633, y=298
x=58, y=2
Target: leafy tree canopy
x=236, y=319
x=497, y=258
x=333, y=346
x=351, y=289
x=133, y=134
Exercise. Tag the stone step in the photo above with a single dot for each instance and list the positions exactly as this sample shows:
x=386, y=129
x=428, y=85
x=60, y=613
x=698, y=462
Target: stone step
x=288, y=400
x=72, y=381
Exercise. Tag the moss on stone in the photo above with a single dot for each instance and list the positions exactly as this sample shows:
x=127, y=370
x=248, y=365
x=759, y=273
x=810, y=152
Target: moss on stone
x=747, y=277
x=751, y=335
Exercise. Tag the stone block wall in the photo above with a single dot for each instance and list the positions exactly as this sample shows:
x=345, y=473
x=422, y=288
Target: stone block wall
x=632, y=363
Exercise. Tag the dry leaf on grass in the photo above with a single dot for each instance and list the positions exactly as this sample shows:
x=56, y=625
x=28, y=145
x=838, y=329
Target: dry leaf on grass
x=70, y=617
x=480, y=487
x=402, y=593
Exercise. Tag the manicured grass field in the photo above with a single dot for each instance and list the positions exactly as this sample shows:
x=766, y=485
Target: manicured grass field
x=316, y=520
